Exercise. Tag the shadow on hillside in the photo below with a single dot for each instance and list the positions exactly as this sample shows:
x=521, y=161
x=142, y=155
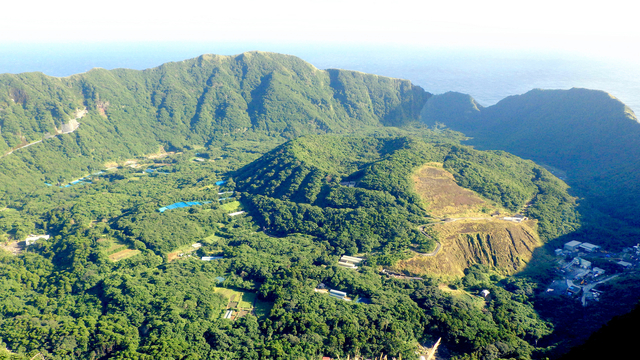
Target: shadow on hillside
x=573, y=322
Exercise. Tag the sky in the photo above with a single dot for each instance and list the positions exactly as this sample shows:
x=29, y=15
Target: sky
x=610, y=28
x=489, y=49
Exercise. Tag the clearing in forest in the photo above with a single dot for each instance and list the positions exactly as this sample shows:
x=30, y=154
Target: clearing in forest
x=14, y=247
x=477, y=301
x=443, y=197
x=184, y=250
x=116, y=250
x=243, y=303
x=502, y=245
x=124, y=254
x=231, y=206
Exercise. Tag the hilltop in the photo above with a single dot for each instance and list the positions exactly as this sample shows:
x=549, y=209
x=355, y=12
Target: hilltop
x=358, y=194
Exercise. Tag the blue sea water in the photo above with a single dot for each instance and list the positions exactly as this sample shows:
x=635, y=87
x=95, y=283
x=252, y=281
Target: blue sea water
x=487, y=75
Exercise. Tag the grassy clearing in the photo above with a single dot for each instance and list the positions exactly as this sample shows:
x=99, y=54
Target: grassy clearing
x=445, y=198
x=461, y=294
x=231, y=206
x=116, y=250
x=245, y=302
x=211, y=239
x=13, y=247
x=110, y=246
x=124, y=254
x=244, y=299
x=181, y=250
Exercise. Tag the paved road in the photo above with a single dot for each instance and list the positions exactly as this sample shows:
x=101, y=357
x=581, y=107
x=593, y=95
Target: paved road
x=588, y=287
x=49, y=136
x=438, y=246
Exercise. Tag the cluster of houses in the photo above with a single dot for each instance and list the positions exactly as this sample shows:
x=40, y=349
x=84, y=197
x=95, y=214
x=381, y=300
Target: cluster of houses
x=573, y=246
x=349, y=262
x=580, y=276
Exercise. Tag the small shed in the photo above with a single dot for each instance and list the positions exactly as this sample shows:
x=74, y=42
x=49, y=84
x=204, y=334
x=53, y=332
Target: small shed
x=337, y=293
x=484, y=293
x=597, y=271
x=347, y=265
x=624, y=264
x=351, y=259
x=572, y=245
x=558, y=252
x=209, y=258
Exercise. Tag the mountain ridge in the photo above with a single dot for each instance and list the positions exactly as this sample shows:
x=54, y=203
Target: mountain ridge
x=206, y=100
x=285, y=168
x=589, y=134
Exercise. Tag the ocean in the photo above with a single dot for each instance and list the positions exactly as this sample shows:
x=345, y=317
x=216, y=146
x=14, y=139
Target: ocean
x=487, y=75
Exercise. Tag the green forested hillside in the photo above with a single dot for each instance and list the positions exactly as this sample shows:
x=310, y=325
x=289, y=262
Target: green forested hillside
x=284, y=168
x=69, y=297
x=208, y=101
x=300, y=187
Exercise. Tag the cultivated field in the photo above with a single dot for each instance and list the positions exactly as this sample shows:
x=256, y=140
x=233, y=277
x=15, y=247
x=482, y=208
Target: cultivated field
x=116, y=250
x=243, y=303
x=124, y=254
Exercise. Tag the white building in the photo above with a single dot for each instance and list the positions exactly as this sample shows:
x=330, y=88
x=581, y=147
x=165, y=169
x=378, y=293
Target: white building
x=589, y=247
x=572, y=245
x=33, y=238
x=338, y=294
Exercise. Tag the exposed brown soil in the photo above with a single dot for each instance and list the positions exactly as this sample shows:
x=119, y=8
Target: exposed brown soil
x=503, y=245
x=175, y=255
x=442, y=195
x=172, y=256
x=123, y=254
x=102, y=107
x=14, y=247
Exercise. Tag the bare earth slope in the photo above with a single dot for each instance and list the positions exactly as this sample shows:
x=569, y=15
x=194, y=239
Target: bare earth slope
x=469, y=235
x=503, y=245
